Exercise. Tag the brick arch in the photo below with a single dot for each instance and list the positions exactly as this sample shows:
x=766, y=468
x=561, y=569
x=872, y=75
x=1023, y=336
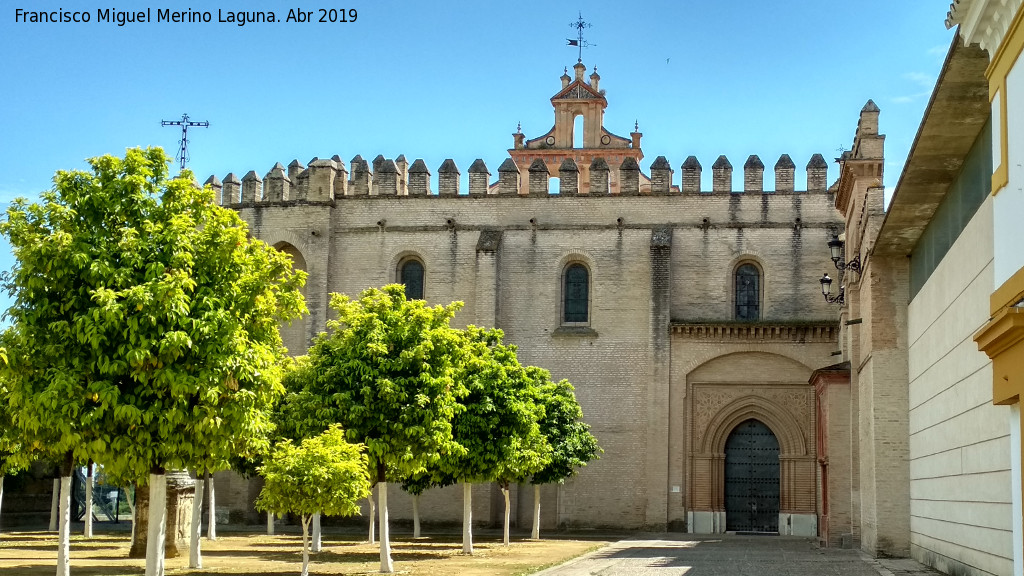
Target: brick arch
x=298, y=260
x=576, y=255
x=792, y=441
x=278, y=238
x=402, y=257
x=716, y=354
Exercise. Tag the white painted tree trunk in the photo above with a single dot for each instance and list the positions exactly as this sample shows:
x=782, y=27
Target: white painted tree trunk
x=373, y=520
x=64, y=536
x=88, y=500
x=131, y=506
x=157, y=525
x=270, y=523
x=536, y=512
x=54, y=505
x=508, y=510
x=211, y=529
x=195, y=556
x=316, y=533
x=305, y=545
x=467, y=518
x=386, y=565
x=415, y=515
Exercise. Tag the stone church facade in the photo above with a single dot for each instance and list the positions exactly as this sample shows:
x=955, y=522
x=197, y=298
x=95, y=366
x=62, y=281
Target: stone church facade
x=689, y=320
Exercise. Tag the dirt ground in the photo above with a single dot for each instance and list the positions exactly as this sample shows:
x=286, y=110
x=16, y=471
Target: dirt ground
x=35, y=553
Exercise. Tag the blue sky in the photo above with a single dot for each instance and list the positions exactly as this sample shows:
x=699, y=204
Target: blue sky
x=438, y=80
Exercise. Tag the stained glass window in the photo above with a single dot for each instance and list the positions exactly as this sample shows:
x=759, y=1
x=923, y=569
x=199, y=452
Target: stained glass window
x=412, y=276
x=577, y=293
x=748, y=293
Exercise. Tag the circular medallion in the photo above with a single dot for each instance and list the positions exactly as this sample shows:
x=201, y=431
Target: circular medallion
x=550, y=140
x=606, y=139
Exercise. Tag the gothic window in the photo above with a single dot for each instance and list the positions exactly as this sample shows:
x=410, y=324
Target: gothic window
x=576, y=294
x=748, y=293
x=410, y=273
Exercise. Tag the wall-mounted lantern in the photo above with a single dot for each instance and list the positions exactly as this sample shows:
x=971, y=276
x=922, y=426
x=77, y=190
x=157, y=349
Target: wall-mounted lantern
x=826, y=291
x=835, y=248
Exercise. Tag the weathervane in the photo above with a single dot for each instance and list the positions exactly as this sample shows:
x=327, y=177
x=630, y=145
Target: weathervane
x=183, y=144
x=579, y=42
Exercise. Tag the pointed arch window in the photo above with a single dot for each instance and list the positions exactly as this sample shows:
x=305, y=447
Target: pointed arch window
x=410, y=273
x=576, y=294
x=748, y=293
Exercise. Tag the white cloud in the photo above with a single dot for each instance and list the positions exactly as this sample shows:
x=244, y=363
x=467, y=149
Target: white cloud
x=925, y=80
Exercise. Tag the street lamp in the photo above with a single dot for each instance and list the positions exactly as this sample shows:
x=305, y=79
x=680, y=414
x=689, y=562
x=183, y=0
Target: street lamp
x=826, y=290
x=835, y=248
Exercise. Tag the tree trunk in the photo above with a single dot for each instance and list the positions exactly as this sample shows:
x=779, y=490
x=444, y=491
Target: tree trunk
x=88, y=499
x=1, y=490
x=316, y=533
x=504, y=491
x=157, y=525
x=131, y=506
x=373, y=520
x=270, y=523
x=415, y=515
x=386, y=565
x=467, y=518
x=536, y=512
x=64, y=536
x=305, y=545
x=211, y=529
x=195, y=557
x=54, y=505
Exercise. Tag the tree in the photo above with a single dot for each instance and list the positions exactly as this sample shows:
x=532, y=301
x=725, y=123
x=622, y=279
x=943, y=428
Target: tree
x=497, y=425
x=385, y=372
x=323, y=474
x=572, y=444
x=145, y=325
x=13, y=456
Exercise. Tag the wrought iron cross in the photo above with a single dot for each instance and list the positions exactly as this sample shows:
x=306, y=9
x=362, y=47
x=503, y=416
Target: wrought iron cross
x=579, y=42
x=183, y=144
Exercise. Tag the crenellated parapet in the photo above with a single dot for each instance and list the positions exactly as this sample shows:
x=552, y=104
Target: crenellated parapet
x=327, y=180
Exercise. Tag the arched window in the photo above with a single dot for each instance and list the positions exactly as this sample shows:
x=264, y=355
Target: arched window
x=576, y=294
x=748, y=293
x=410, y=273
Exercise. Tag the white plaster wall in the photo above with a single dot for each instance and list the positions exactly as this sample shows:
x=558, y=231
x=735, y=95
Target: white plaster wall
x=1009, y=203
x=960, y=507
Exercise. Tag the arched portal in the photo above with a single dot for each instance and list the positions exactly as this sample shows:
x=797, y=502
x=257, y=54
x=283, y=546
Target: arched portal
x=752, y=478
x=295, y=334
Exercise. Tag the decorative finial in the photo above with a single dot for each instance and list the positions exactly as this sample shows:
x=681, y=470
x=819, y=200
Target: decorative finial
x=519, y=127
x=565, y=70
x=636, y=126
x=579, y=42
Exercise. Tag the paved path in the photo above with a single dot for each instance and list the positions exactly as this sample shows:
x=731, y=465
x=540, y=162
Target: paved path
x=730, y=555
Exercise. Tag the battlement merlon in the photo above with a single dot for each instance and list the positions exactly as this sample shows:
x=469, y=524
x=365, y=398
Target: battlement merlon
x=616, y=175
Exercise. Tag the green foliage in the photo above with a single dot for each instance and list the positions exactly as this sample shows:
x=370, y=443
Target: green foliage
x=569, y=436
x=417, y=484
x=498, y=422
x=283, y=415
x=386, y=373
x=323, y=474
x=13, y=456
x=145, y=325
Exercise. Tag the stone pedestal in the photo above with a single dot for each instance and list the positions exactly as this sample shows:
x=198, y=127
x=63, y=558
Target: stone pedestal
x=181, y=490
